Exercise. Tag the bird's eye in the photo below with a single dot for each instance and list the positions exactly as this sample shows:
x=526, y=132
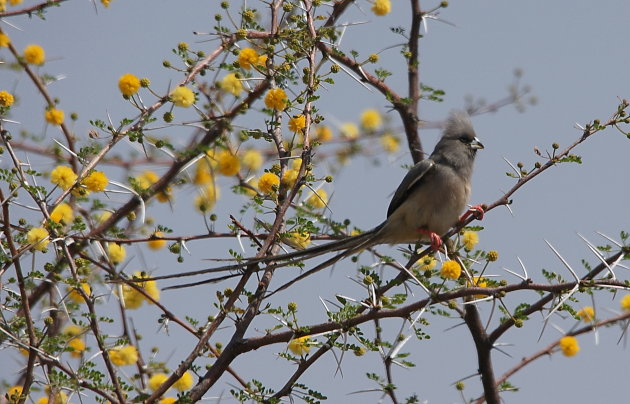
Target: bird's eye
x=465, y=139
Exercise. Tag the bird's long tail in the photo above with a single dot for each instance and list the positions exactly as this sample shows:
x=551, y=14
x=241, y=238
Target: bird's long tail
x=350, y=245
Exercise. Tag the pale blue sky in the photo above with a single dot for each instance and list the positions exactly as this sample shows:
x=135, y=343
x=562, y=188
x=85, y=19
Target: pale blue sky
x=573, y=55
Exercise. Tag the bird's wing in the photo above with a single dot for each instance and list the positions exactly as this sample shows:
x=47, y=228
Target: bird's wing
x=411, y=180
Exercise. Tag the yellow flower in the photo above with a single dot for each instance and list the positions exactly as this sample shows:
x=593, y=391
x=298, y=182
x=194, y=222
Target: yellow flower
x=318, y=199
x=267, y=181
x=299, y=346
x=76, y=297
x=390, y=143
x=252, y=159
x=157, y=244
x=6, y=99
x=231, y=84
x=203, y=172
x=381, y=7
x=96, y=181
x=63, y=211
x=586, y=314
x=72, y=330
x=78, y=346
x=298, y=240
x=4, y=40
x=102, y=217
x=349, y=130
x=262, y=61
x=492, y=255
x=451, y=270
x=128, y=84
x=34, y=55
x=297, y=123
x=254, y=183
x=116, y=252
x=59, y=398
x=371, y=120
x=625, y=302
x=276, y=98
x=148, y=178
x=168, y=400
x=207, y=198
x=15, y=2
x=247, y=57
x=289, y=177
x=323, y=134
x=54, y=116
x=126, y=355
x=133, y=298
x=470, y=239
x=14, y=393
x=480, y=282
x=182, y=97
x=157, y=380
x=105, y=3
x=227, y=163
x=38, y=236
x=185, y=382
x=569, y=346
x=427, y=263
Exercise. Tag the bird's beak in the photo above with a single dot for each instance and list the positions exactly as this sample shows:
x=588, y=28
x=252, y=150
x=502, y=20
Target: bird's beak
x=476, y=144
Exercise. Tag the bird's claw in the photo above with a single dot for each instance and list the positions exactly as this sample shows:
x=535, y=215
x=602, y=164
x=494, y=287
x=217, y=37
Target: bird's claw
x=436, y=240
x=476, y=210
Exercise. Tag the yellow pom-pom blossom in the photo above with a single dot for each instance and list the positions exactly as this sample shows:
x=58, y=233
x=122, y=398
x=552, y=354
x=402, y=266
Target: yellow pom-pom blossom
x=203, y=172
x=128, y=84
x=625, y=303
x=59, y=398
x=207, y=198
x=252, y=159
x=289, y=177
x=300, y=346
x=116, y=252
x=6, y=99
x=569, y=346
x=451, y=270
x=157, y=244
x=4, y=40
x=168, y=400
x=227, y=163
x=126, y=355
x=381, y=7
x=76, y=297
x=267, y=182
x=54, y=116
x=182, y=97
x=96, y=181
x=157, y=380
x=586, y=314
x=480, y=282
x=390, y=143
x=297, y=123
x=62, y=212
x=298, y=240
x=276, y=98
x=78, y=346
x=318, y=199
x=185, y=382
x=231, y=84
x=426, y=263
x=34, y=55
x=248, y=57
x=105, y=3
x=371, y=120
x=63, y=176
x=323, y=134
x=14, y=393
x=349, y=131
x=148, y=178
x=72, y=330
x=15, y=2
x=470, y=239
x=38, y=237
x=133, y=299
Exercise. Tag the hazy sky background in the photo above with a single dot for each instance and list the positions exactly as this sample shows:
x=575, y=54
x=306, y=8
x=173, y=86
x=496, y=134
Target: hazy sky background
x=574, y=56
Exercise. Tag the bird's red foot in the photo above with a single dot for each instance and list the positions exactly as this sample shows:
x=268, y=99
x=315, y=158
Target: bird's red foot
x=436, y=240
x=476, y=210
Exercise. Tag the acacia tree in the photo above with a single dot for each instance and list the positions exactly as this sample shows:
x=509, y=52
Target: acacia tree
x=249, y=103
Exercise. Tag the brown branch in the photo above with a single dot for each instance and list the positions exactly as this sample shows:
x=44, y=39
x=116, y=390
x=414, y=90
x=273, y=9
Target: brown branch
x=484, y=357
x=32, y=9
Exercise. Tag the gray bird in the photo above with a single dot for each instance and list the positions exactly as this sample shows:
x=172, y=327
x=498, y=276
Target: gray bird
x=426, y=204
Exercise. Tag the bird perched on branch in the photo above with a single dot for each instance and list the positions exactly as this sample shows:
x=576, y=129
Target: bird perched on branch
x=426, y=204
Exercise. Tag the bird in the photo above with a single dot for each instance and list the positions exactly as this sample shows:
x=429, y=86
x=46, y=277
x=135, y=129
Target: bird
x=426, y=204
